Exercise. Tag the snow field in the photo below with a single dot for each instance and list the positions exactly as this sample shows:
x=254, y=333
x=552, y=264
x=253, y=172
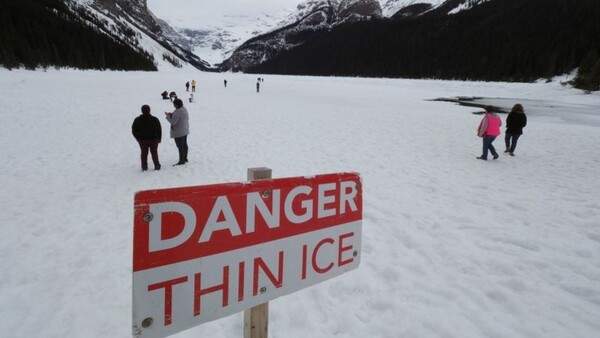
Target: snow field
x=452, y=246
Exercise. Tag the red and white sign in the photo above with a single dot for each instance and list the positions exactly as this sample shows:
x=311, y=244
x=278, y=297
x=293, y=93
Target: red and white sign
x=206, y=252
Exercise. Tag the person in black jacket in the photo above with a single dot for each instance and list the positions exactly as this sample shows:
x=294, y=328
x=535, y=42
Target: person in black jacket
x=515, y=122
x=147, y=131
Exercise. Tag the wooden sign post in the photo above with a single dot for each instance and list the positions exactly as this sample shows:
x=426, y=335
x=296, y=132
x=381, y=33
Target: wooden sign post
x=256, y=319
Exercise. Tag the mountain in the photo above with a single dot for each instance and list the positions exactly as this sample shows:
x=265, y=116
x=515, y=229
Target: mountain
x=478, y=40
x=316, y=16
x=216, y=36
x=311, y=16
x=453, y=39
x=161, y=38
x=86, y=34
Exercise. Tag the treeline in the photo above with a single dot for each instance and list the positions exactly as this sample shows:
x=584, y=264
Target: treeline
x=501, y=40
x=45, y=33
x=588, y=74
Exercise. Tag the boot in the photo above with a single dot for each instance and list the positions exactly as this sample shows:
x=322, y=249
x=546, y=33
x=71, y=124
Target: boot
x=181, y=157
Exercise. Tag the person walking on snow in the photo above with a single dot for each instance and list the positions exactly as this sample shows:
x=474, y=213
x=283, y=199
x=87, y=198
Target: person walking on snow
x=187, y=86
x=147, y=131
x=515, y=122
x=258, y=86
x=194, y=86
x=180, y=128
x=488, y=130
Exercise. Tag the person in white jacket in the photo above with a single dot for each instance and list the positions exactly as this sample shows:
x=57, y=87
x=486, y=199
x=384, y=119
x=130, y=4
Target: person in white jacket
x=180, y=129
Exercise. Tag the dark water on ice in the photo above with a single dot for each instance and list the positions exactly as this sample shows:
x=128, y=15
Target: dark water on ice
x=558, y=112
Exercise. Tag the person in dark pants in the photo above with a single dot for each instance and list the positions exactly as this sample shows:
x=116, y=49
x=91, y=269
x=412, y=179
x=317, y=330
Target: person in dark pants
x=515, y=122
x=225, y=83
x=187, y=86
x=489, y=129
x=258, y=86
x=180, y=128
x=147, y=131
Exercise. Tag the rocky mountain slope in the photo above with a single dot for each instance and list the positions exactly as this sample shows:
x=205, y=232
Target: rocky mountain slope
x=311, y=16
x=495, y=40
x=159, y=37
x=87, y=34
x=216, y=38
x=316, y=16
x=393, y=7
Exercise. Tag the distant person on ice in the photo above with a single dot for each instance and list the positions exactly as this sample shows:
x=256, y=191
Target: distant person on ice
x=515, y=122
x=147, y=131
x=187, y=86
x=258, y=86
x=172, y=96
x=180, y=128
x=225, y=83
x=488, y=130
x=165, y=95
x=193, y=85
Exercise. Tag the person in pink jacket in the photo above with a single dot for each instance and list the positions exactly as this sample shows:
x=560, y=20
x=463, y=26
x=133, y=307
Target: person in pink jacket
x=488, y=130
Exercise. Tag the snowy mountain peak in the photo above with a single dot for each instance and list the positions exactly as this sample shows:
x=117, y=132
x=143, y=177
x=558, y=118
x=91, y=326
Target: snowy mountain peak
x=216, y=37
x=155, y=37
x=312, y=12
x=215, y=31
x=310, y=16
x=319, y=12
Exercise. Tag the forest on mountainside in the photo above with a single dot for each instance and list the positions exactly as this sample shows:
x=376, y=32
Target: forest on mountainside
x=499, y=40
x=45, y=33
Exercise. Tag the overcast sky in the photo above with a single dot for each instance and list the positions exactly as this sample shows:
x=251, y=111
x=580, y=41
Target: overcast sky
x=198, y=13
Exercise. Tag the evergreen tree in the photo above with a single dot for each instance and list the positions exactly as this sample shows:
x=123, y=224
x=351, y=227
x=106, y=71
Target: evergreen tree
x=42, y=33
x=498, y=40
x=587, y=74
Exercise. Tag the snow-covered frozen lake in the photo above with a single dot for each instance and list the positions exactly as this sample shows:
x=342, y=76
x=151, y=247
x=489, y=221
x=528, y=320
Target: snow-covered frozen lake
x=452, y=246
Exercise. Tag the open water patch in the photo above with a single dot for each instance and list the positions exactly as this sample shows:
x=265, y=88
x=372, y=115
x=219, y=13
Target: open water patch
x=553, y=111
